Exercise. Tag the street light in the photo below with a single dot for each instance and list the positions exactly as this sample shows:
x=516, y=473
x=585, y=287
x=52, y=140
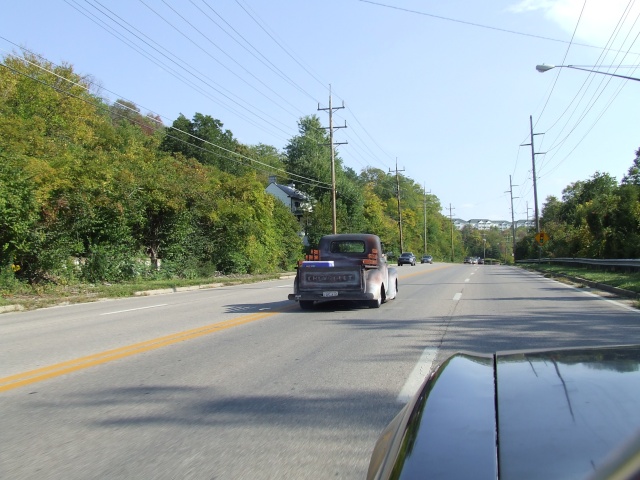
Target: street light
x=544, y=68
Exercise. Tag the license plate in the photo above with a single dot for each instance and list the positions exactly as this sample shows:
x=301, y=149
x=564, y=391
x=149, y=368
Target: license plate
x=329, y=294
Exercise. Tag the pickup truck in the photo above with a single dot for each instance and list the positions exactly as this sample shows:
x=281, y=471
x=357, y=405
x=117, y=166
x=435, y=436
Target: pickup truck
x=345, y=267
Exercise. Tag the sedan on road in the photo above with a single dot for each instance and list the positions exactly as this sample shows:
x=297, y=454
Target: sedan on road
x=407, y=258
x=426, y=259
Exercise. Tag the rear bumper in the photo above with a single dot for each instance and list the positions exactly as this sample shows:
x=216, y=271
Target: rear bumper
x=319, y=296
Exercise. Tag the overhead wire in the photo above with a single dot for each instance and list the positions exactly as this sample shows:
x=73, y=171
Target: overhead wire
x=206, y=52
x=264, y=60
x=175, y=60
x=260, y=24
x=473, y=24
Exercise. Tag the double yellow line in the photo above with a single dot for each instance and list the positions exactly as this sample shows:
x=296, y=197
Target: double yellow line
x=45, y=373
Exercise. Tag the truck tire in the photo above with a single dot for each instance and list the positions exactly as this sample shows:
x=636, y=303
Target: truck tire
x=306, y=304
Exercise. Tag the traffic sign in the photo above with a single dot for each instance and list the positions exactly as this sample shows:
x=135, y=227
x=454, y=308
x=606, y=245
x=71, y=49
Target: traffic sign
x=542, y=238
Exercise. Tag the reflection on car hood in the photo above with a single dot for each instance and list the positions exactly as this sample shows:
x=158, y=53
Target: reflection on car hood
x=518, y=415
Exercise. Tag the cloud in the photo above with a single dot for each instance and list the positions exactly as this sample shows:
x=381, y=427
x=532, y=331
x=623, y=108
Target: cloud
x=598, y=22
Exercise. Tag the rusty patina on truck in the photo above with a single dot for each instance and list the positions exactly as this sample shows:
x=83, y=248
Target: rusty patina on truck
x=345, y=267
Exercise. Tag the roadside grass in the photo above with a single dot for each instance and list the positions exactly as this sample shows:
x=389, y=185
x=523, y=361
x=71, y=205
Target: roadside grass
x=30, y=297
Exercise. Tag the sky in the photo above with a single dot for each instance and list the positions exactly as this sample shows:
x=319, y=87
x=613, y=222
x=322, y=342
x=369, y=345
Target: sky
x=442, y=91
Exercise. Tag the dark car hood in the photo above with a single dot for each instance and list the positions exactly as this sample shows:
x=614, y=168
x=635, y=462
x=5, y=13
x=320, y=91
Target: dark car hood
x=516, y=415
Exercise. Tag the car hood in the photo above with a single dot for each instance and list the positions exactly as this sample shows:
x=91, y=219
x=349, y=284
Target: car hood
x=519, y=415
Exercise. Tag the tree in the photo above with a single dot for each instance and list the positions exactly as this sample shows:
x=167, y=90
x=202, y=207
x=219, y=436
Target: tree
x=18, y=209
x=204, y=139
x=633, y=175
x=308, y=157
x=126, y=111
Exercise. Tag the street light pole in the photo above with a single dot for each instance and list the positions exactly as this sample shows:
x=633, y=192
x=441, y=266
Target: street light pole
x=544, y=68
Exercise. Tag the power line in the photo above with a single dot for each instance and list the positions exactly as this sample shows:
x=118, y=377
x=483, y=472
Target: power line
x=175, y=60
x=473, y=24
x=265, y=60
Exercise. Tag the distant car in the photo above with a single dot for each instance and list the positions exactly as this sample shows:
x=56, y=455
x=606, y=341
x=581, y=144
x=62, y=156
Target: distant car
x=475, y=260
x=468, y=260
x=545, y=414
x=408, y=258
x=480, y=261
x=426, y=259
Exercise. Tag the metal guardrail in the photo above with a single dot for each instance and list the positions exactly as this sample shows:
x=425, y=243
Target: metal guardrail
x=623, y=263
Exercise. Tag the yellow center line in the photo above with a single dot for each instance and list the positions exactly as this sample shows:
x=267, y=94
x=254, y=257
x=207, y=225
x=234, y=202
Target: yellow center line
x=51, y=371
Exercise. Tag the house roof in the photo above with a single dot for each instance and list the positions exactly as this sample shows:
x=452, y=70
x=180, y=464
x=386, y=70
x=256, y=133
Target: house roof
x=292, y=192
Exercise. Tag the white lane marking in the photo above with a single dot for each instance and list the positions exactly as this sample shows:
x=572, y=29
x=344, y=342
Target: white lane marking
x=619, y=304
x=466, y=280
x=134, y=309
x=417, y=375
x=457, y=297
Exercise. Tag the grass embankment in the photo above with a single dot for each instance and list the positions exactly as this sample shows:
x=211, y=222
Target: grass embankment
x=29, y=297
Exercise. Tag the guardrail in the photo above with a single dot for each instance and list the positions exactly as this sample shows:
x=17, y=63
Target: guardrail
x=610, y=264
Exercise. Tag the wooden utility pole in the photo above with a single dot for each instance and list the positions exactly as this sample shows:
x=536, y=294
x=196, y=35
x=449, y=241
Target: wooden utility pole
x=333, y=159
x=399, y=209
x=535, y=185
x=451, y=220
x=424, y=191
x=513, y=221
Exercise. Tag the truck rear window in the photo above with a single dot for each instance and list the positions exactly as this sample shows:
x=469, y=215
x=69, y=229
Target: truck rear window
x=347, y=246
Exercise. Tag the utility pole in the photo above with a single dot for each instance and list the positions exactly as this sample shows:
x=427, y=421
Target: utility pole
x=424, y=190
x=399, y=209
x=333, y=159
x=535, y=185
x=451, y=220
x=513, y=221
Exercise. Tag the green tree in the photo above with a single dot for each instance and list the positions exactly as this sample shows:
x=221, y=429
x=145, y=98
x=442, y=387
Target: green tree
x=18, y=209
x=204, y=139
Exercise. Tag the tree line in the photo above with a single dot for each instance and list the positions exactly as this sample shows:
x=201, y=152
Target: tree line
x=94, y=191
x=98, y=191
x=595, y=218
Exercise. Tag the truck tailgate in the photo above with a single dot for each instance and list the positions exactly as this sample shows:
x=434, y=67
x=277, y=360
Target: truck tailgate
x=323, y=278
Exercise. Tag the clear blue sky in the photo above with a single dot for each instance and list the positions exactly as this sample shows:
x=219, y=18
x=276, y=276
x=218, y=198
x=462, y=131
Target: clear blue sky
x=447, y=88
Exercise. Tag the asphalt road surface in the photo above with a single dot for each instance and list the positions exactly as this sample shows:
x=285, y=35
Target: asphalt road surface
x=238, y=382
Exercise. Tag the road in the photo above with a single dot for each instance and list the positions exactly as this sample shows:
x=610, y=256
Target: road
x=237, y=382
